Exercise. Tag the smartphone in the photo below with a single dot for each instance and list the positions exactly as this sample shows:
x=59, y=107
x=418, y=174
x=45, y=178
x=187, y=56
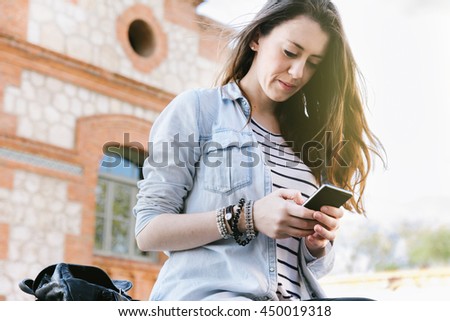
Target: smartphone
x=327, y=195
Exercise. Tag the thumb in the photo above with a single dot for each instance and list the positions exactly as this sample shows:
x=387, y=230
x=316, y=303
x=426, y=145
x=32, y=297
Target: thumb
x=291, y=194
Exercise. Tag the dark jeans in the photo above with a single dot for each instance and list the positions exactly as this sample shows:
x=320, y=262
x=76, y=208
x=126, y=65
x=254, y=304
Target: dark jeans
x=343, y=299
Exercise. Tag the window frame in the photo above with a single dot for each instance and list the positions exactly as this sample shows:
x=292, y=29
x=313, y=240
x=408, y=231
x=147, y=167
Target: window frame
x=112, y=181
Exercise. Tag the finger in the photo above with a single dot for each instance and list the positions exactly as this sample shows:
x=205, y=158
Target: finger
x=292, y=232
x=301, y=223
x=298, y=199
x=326, y=220
x=316, y=239
x=299, y=211
x=324, y=233
x=290, y=194
x=332, y=211
x=296, y=232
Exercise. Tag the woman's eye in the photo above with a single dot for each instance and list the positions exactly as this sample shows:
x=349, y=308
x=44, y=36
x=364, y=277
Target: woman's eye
x=313, y=65
x=289, y=54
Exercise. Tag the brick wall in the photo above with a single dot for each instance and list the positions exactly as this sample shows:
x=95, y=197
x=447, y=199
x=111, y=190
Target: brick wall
x=58, y=109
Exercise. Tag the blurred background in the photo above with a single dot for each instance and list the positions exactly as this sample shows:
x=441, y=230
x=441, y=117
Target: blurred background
x=82, y=81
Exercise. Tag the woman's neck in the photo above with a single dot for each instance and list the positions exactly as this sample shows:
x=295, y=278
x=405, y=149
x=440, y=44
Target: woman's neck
x=267, y=120
x=259, y=101
x=263, y=108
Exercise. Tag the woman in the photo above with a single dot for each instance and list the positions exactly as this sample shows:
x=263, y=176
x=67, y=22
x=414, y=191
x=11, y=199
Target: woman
x=229, y=167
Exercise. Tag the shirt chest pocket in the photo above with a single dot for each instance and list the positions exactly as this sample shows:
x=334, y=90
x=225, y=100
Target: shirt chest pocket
x=228, y=161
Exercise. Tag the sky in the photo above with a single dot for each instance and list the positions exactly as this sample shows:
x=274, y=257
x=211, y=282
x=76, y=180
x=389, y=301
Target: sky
x=402, y=48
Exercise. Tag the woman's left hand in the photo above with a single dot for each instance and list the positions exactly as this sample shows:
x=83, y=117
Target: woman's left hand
x=326, y=231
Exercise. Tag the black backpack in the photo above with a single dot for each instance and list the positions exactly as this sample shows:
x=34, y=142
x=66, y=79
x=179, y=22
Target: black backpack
x=72, y=282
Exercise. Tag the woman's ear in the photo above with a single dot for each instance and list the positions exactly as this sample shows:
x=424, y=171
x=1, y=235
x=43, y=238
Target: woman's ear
x=254, y=44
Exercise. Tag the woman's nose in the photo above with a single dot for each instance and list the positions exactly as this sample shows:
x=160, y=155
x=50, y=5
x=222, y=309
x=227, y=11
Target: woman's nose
x=297, y=69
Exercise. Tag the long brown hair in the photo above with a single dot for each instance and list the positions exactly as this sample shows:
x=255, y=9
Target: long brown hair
x=324, y=123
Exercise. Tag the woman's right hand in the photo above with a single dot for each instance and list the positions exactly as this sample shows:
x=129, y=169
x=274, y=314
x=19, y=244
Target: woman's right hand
x=280, y=215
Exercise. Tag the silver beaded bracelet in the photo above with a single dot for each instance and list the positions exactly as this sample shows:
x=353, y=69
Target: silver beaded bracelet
x=249, y=223
x=220, y=219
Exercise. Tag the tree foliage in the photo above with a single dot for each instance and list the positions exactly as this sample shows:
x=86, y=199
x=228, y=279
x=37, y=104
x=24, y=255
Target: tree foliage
x=428, y=247
x=411, y=246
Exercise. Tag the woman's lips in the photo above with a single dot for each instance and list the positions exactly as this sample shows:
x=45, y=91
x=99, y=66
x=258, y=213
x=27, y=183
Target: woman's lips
x=286, y=86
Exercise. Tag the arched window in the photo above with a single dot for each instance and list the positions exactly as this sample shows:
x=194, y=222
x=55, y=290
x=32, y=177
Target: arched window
x=119, y=171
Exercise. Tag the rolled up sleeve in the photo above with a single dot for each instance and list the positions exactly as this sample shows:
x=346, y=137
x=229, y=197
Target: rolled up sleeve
x=174, y=150
x=318, y=266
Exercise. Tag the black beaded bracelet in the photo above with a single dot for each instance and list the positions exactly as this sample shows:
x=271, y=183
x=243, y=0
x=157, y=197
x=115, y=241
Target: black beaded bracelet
x=229, y=213
x=238, y=236
x=235, y=221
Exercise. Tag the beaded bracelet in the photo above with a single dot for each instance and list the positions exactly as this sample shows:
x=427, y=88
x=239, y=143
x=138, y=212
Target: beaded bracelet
x=235, y=221
x=234, y=227
x=229, y=214
x=249, y=226
x=220, y=220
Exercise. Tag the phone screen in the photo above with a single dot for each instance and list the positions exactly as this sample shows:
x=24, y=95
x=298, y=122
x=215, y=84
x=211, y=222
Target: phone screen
x=327, y=195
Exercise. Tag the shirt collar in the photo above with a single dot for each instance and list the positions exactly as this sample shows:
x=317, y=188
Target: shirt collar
x=232, y=92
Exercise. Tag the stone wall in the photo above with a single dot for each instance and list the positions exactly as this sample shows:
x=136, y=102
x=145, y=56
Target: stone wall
x=89, y=31
x=35, y=240
x=47, y=108
x=70, y=82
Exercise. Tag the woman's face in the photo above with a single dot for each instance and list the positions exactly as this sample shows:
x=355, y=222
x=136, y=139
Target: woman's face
x=287, y=57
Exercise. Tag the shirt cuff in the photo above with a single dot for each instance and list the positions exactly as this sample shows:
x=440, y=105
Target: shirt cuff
x=308, y=256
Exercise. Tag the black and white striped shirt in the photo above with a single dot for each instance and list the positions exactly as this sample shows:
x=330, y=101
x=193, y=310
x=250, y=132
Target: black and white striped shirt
x=288, y=171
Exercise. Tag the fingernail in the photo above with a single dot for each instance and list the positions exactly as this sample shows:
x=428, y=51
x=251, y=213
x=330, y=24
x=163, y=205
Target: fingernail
x=324, y=208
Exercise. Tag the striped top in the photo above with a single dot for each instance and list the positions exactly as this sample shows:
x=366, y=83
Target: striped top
x=288, y=171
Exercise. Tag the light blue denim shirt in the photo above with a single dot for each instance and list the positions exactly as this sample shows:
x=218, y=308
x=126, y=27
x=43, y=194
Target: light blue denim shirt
x=203, y=156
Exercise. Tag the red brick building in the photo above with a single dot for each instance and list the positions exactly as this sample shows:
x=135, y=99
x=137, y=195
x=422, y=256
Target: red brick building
x=78, y=80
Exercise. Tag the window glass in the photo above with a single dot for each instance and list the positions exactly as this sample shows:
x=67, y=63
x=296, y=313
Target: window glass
x=119, y=171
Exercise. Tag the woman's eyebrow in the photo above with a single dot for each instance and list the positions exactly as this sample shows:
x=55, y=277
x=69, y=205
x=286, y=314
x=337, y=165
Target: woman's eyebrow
x=300, y=47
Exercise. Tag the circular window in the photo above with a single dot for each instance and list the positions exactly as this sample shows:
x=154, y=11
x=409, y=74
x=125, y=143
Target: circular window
x=141, y=38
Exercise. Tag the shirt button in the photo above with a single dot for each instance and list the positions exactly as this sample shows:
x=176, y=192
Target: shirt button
x=271, y=269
